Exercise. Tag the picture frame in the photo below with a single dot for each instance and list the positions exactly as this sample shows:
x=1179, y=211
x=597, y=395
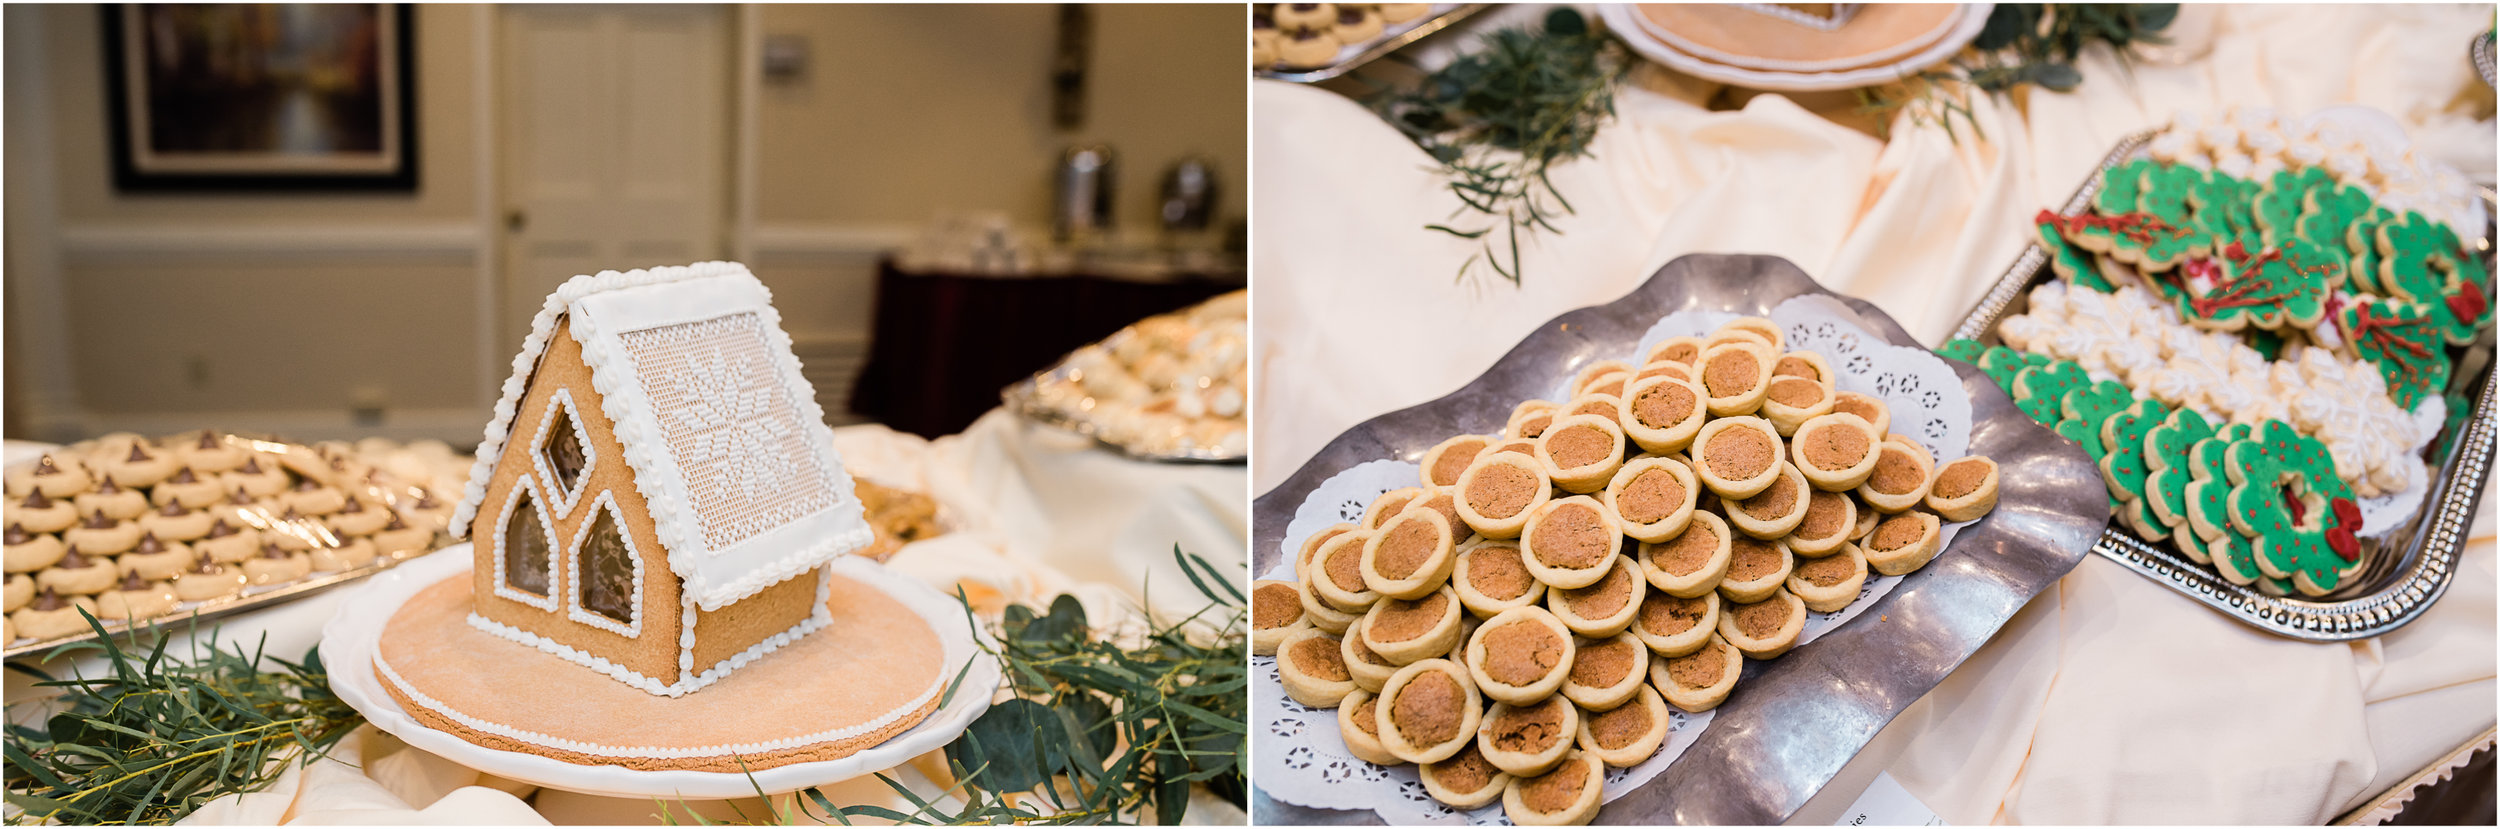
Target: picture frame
x=258, y=97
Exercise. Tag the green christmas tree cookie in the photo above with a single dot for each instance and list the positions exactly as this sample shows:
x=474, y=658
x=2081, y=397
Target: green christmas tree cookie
x=2284, y=197
x=2121, y=186
x=2124, y=437
x=2166, y=461
x=2081, y=411
x=2038, y=389
x=2403, y=340
x=2299, y=517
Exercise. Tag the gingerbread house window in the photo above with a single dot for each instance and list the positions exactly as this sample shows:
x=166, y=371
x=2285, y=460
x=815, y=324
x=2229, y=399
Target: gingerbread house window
x=564, y=457
x=524, y=565
x=606, y=573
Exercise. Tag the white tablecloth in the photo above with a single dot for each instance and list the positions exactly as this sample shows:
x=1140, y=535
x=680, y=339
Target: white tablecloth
x=2109, y=698
x=1034, y=512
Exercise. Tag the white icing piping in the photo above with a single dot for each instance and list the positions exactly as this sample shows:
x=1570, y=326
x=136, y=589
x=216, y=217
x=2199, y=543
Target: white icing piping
x=503, y=584
x=564, y=501
x=656, y=752
x=573, y=608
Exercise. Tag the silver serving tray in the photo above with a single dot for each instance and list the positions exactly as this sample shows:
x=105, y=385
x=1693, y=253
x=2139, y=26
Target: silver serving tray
x=2480, y=50
x=1423, y=27
x=2409, y=568
x=188, y=615
x=1793, y=721
x=1023, y=398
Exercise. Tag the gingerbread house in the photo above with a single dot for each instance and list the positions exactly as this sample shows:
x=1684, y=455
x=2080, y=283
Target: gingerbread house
x=657, y=497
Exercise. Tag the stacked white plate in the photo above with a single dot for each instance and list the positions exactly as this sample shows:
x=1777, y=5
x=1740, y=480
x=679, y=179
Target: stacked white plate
x=1781, y=66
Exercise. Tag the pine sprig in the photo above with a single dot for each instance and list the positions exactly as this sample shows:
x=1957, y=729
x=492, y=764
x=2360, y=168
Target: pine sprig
x=1498, y=119
x=1098, y=732
x=159, y=736
x=2022, y=44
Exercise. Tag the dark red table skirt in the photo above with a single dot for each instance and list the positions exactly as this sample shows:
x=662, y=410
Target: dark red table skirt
x=945, y=344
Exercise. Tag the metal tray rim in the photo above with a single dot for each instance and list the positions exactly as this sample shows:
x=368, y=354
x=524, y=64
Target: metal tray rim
x=1377, y=49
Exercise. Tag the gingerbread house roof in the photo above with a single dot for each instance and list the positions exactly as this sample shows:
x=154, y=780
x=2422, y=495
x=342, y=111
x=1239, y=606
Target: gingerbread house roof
x=723, y=434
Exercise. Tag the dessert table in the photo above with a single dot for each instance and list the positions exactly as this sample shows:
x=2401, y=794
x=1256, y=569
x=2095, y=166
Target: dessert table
x=1032, y=512
x=2109, y=698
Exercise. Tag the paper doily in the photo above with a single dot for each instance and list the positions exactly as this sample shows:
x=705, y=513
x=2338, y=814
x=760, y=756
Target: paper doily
x=1303, y=759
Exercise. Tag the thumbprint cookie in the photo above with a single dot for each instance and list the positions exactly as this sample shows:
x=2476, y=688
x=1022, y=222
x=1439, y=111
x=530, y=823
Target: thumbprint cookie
x=1901, y=478
x=1902, y=543
x=1529, y=418
x=1835, y=451
x=1565, y=796
x=1662, y=414
x=1776, y=510
x=1673, y=625
x=1464, y=781
x=1336, y=574
x=1807, y=365
x=1358, y=720
x=1489, y=578
x=1627, y=734
x=1607, y=406
x=1755, y=568
x=1445, y=461
x=1428, y=711
x=1605, y=672
x=1406, y=631
x=1410, y=556
x=1764, y=629
x=1652, y=498
x=1501, y=491
x=1700, y=680
x=1831, y=582
x=1964, y=489
x=1604, y=607
x=1312, y=668
x=1311, y=544
x=1528, y=739
x=1581, y=452
x=1830, y=518
x=1769, y=332
x=1520, y=656
x=1275, y=612
x=1734, y=377
x=1868, y=408
x=1685, y=350
x=1388, y=505
x=1570, y=542
x=1788, y=402
x=1692, y=562
x=1369, y=671
x=1737, y=457
x=1593, y=373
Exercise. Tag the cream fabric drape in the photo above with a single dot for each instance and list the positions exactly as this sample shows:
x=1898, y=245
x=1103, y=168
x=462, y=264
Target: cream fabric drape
x=2108, y=699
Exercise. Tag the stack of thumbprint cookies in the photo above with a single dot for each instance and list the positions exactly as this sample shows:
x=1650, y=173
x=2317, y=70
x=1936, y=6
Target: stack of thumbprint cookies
x=1524, y=618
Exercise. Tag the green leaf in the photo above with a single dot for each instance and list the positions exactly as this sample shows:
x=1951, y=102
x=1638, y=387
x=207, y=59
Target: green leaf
x=2006, y=23
x=2057, y=76
x=1567, y=22
x=1007, y=743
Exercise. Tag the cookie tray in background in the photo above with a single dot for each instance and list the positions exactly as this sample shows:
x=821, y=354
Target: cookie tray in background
x=2409, y=568
x=189, y=616
x=1442, y=16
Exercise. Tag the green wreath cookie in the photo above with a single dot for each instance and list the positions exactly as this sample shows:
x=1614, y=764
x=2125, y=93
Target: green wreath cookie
x=2282, y=286
x=2171, y=192
x=2299, y=516
x=1967, y=351
x=2403, y=340
x=2168, y=472
x=2071, y=263
x=2421, y=265
x=2124, y=437
x=2082, y=410
x=2038, y=390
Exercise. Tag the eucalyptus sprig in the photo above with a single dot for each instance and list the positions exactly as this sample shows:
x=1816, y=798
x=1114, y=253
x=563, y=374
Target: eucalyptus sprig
x=157, y=737
x=1499, y=118
x=2021, y=44
x=1098, y=731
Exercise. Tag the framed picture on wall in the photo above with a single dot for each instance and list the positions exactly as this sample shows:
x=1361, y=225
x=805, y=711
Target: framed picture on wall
x=261, y=96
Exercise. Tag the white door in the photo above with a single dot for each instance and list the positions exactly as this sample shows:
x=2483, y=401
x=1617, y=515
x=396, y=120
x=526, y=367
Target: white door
x=614, y=145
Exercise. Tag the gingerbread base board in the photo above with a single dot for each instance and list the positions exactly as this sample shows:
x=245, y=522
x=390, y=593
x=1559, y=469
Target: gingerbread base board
x=799, y=718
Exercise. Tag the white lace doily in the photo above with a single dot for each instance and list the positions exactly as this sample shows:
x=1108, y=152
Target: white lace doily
x=1302, y=759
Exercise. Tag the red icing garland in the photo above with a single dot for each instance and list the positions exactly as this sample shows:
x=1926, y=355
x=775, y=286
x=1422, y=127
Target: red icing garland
x=2141, y=228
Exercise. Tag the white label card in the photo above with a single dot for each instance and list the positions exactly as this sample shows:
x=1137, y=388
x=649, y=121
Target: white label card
x=1885, y=803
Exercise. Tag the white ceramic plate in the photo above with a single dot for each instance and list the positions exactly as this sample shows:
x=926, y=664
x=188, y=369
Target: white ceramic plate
x=348, y=643
x=1626, y=22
